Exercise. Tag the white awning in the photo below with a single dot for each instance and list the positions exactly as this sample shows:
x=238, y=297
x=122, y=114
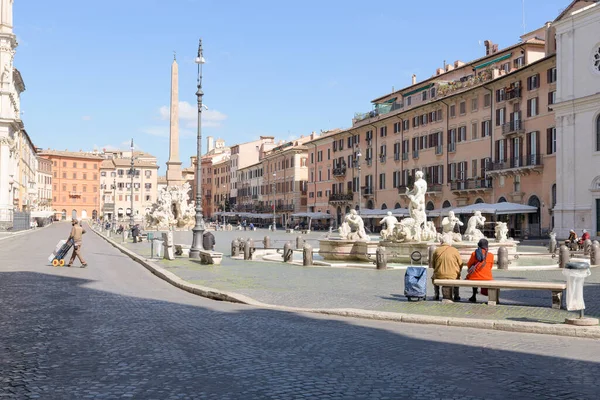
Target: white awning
x=379, y=213
x=496, y=208
x=42, y=214
x=439, y=212
x=312, y=215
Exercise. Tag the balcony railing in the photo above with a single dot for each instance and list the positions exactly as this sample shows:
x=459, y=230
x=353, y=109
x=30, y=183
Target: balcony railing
x=396, y=156
x=369, y=161
x=340, y=171
x=439, y=149
x=513, y=127
x=434, y=187
x=367, y=191
x=404, y=156
x=531, y=160
x=513, y=94
x=341, y=197
x=451, y=147
x=471, y=184
x=109, y=207
x=74, y=194
x=382, y=158
x=415, y=153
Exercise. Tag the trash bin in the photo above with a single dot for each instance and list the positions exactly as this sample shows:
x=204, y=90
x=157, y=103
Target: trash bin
x=576, y=272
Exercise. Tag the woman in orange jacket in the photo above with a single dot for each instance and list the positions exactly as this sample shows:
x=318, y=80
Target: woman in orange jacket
x=480, y=266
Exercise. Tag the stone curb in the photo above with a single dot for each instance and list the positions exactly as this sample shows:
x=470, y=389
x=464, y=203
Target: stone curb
x=502, y=325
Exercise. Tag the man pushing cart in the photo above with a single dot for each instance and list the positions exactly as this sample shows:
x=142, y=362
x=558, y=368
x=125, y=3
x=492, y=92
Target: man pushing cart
x=74, y=240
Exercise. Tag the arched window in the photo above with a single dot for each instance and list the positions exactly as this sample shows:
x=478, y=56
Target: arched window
x=446, y=204
x=501, y=200
x=430, y=206
x=384, y=206
x=397, y=205
x=479, y=200
x=370, y=205
x=598, y=133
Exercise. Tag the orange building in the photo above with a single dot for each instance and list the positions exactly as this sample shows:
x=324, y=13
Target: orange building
x=75, y=183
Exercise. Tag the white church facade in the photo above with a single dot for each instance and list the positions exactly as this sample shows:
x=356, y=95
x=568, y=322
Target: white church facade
x=577, y=112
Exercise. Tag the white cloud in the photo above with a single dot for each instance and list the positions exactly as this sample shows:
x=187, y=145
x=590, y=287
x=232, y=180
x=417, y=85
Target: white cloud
x=161, y=131
x=87, y=118
x=188, y=116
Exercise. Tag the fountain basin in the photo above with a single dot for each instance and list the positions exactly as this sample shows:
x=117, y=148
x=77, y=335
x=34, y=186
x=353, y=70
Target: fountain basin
x=349, y=250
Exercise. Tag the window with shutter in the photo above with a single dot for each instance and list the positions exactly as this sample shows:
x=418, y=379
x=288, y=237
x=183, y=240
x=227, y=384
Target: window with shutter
x=439, y=115
x=498, y=117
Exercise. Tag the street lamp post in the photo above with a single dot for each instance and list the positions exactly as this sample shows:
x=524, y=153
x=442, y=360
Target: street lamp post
x=132, y=173
x=198, y=229
x=357, y=164
x=274, y=188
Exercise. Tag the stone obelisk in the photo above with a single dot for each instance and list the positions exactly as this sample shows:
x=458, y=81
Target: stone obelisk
x=174, y=176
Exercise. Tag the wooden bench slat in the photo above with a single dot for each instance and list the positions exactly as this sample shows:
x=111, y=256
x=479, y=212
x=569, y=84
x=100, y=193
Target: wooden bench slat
x=502, y=284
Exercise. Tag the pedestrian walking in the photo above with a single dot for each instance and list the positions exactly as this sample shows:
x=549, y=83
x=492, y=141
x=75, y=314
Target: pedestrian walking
x=480, y=267
x=76, y=235
x=447, y=264
x=135, y=232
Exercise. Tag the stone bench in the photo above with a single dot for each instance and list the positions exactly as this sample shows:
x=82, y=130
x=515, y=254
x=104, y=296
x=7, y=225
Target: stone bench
x=210, y=257
x=182, y=250
x=494, y=287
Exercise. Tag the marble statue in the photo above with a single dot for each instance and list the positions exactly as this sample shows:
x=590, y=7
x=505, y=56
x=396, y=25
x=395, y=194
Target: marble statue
x=390, y=223
x=416, y=207
x=449, y=224
x=172, y=209
x=473, y=234
x=353, y=227
x=501, y=232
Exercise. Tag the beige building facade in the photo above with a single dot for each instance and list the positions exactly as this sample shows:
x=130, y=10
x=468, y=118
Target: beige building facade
x=116, y=185
x=44, y=184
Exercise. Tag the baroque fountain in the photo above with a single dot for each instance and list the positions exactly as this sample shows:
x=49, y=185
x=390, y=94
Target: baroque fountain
x=172, y=209
x=412, y=236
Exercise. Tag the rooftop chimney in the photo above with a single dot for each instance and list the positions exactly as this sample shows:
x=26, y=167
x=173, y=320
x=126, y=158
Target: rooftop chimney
x=414, y=79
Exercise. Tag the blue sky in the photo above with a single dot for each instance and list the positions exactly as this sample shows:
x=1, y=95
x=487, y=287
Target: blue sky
x=98, y=72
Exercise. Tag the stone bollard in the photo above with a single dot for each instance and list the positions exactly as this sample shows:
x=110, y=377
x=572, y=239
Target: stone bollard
x=287, y=252
x=587, y=247
x=267, y=242
x=299, y=242
x=235, y=248
x=246, y=245
x=502, y=257
x=169, y=251
x=431, y=250
x=595, y=253
x=563, y=256
x=307, y=255
x=380, y=258
x=552, y=245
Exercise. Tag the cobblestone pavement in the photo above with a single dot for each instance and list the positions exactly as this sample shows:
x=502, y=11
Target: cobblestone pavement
x=113, y=330
x=369, y=289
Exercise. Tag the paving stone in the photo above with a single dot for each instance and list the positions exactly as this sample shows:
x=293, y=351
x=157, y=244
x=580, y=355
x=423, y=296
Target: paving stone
x=113, y=329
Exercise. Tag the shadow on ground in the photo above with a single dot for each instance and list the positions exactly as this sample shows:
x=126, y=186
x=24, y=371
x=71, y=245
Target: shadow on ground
x=63, y=339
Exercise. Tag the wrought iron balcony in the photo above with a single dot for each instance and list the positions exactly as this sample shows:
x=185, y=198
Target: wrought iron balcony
x=368, y=191
x=451, y=147
x=404, y=156
x=439, y=149
x=513, y=127
x=341, y=197
x=340, y=171
x=528, y=161
x=471, y=185
x=513, y=94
